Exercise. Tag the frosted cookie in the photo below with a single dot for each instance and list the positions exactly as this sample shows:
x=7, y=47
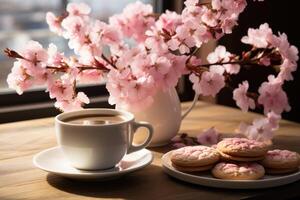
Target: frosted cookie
x=238, y=171
x=242, y=147
x=195, y=156
x=281, y=161
x=193, y=169
x=226, y=157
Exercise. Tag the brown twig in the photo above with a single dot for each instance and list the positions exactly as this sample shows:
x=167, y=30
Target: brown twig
x=12, y=54
x=108, y=61
x=191, y=55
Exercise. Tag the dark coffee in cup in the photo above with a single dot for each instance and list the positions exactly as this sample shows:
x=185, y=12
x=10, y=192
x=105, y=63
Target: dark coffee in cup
x=95, y=119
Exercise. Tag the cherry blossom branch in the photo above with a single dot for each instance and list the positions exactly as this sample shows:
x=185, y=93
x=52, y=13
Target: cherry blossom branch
x=245, y=59
x=91, y=68
x=240, y=62
x=108, y=61
x=60, y=69
x=192, y=54
x=13, y=54
x=63, y=67
x=81, y=68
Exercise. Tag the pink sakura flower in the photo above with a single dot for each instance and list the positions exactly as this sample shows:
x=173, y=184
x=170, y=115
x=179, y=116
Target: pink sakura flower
x=82, y=98
x=176, y=139
x=61, y=89
x=216, y=4
x=136, y=56
x=18, y=79
x=258, y=37
x=219, y=69
x=178, y=145
x=139, y=89
x=272, y=96
x=103, y=33
x=182, y=44
x=55, y=58
x=194, y=61
x=224, y=15
x=261, y=129
x=78, y=9
x=30, y=70
x=241, y=98
x=134, y=21
x=178, y=64
x=34, y=52
x=174, y=45
x=201, y=35
x=191, y=2
x=228, y=25
x=183, y=39
x=233, y=7
x=72, y=104
x=159, y=68
x=192, y=10
x=34, y=62
x=286, y=70
x=210, y=18
x=169, y=80
x=177, y=68
x=120, y=48
x=286, y=50
x=208, y=137
x=169, y=21
x=155, y=42
x=90, y=76
x=129, y=91
x=210, y=83
x=165, y=70
x=35, y=70
x=273, y=120
x=221, y=55
x=289, y=55
x=232, y=68
x=89, y=52
x=265, y=61
x=75, y=27
x=54, y=23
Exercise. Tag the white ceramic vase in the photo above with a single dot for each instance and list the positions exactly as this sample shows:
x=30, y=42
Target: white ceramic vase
x=164, y=114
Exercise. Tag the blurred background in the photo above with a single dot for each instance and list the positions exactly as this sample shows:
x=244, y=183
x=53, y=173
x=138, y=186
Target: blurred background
x=21, y=21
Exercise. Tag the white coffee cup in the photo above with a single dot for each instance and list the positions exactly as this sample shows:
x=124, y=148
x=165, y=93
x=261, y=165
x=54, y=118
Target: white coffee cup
x=98, y=146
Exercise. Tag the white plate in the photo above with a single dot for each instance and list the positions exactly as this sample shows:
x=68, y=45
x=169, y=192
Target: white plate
x=206, y=179
x=53, y=160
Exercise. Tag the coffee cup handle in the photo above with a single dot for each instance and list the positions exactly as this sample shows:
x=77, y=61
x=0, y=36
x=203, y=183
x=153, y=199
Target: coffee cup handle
x=135, y=126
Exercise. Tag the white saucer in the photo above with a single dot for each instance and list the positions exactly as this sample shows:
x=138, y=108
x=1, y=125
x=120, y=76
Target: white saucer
x=206, y=179
x=53, y=160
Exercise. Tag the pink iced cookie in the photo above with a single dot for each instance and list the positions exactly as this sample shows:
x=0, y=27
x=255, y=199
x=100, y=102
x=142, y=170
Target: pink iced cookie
x=281, y=159
x=238, y=171
x=242, y=147
x=195, y=156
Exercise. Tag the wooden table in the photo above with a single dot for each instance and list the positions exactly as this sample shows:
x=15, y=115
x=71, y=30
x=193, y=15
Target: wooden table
x=19, y=179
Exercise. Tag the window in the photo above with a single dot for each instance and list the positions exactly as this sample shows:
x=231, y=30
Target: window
x=18, y=24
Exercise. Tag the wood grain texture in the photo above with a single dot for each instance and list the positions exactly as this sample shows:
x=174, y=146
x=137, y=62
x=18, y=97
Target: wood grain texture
x=19, y=179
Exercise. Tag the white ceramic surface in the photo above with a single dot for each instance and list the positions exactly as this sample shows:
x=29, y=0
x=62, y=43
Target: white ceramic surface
x=53, y=160
x=206, y=179
x=98, y=146
x=164, y=114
